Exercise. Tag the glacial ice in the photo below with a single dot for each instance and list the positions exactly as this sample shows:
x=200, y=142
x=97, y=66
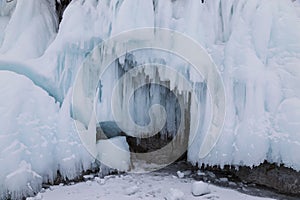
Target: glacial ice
x=255, y=45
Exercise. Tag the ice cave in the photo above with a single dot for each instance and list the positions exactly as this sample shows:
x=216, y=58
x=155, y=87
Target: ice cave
x=63, y=116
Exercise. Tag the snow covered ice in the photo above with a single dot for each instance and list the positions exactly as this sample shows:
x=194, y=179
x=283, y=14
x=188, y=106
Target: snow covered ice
x=255, y=45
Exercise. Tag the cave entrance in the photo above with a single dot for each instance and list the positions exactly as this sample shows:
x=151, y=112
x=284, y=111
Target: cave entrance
x=174, y=134
x=173, y=138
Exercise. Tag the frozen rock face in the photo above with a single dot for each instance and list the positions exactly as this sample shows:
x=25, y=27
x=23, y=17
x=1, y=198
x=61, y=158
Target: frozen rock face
x=255, y=45
x=284, y=180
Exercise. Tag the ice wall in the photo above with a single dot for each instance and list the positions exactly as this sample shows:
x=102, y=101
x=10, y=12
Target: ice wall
x=255, y=45
x=261, y=75
x=37, y=138
x=256, y=48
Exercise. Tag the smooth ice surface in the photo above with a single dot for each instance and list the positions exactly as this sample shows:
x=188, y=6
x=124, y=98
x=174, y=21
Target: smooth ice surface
x=255, y=45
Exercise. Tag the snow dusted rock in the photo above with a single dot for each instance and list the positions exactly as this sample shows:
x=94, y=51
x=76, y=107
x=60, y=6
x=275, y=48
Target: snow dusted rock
x=88, y=177
x=200, y=173
x=200, y=188
x=180, y=174
x=280, y=178
x=223, y=180
x=233, y=184
x=211, y=174
x=132, y=190
x=187, y=172
x=175, y=194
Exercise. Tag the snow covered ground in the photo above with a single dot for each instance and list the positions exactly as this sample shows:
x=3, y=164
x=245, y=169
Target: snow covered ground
x=148, y=186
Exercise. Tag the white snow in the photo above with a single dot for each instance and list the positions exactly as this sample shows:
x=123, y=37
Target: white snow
x=142, y=186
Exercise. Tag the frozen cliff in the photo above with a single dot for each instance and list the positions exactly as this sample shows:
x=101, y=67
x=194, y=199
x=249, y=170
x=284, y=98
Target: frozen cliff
x=254, y=44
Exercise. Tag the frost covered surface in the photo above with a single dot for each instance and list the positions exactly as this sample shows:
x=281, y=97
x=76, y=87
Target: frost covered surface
x=255, y=44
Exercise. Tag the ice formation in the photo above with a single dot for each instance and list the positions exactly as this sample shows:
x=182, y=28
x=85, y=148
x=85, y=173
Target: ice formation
x=37, y=138
x=255, y=45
